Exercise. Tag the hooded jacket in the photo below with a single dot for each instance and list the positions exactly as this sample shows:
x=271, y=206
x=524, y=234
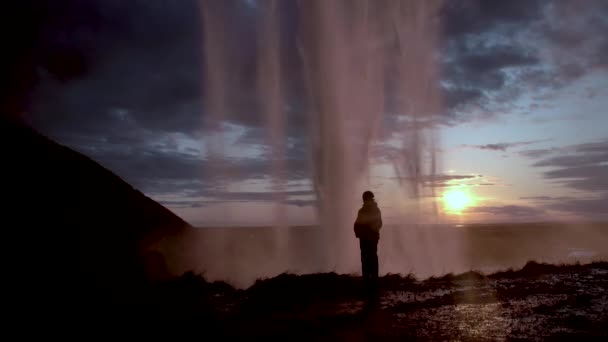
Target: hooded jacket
x=369, y=221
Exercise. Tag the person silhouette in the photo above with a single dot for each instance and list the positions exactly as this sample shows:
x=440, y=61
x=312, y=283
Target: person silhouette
x=367, y=230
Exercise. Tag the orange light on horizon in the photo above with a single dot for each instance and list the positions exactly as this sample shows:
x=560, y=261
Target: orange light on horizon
x=456, y=200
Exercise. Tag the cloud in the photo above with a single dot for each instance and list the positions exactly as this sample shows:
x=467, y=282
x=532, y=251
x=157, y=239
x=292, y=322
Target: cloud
x=480, y=53
x=590, y=207
x=443, y=177
x=258, y=196
x=539, y=152
x=161, y=166
x=579, y=155
x=216, y=197
x=494, y=52
x=544, y=198
x=589, y=178
x=183, y=203
x=146, y=58
x=137, y=94
x=580, y=166
x=512, y=211
x=502, y=146
x=440, y=180
x=473, y=16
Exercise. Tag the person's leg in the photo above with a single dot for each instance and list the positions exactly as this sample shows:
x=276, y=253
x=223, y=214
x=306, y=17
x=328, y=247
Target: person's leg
x=364, y=260
x=373, y=262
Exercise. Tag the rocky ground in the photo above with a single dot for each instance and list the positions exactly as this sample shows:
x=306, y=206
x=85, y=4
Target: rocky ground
x=538, y=302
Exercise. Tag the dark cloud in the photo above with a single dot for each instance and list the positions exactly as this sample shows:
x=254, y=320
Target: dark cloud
x=266, y=196
x=144, y=84
x=183, y=203
x=458, y=96
x=589, y=178
x=496, y=58
x=479, y=53
x=581, y=166
x=216, y=197
x=575, y=155
x=492, y=55
x=144, y=60
x=539, y=152
x=575, y=159
x=476, y=70
x=162, y=89
x=124, y=82
x=160, y=167
x=502, y=146
x=475, y=16
x=590, y=207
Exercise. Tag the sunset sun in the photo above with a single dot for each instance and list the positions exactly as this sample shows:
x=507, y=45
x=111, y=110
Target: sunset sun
x=456, y=200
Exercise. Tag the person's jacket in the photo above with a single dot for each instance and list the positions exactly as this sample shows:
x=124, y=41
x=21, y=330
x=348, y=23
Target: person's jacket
x=369, y=221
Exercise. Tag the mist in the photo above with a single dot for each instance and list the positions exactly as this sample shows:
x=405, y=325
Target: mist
x=355, y=62
x=240, y=256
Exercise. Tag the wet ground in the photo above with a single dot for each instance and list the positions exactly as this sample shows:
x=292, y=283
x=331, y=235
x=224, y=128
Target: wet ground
x=563, y=304
x=538, y=302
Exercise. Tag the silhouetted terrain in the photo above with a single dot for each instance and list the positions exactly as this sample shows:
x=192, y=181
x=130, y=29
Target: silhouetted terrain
x=538, y=302
x=75, y=232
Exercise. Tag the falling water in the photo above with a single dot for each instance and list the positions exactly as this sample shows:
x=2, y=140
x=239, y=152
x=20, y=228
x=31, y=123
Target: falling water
x=360, y=64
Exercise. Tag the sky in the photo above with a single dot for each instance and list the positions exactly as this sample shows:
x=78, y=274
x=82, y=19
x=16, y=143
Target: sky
x=522, y=134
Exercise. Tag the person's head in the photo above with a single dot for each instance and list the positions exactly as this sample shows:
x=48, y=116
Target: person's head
x=368, y=196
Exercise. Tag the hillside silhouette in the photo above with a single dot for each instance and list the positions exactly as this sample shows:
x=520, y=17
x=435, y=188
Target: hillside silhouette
x=78, y=236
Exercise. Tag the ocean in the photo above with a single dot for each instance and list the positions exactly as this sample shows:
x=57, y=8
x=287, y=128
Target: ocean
x=241, y=255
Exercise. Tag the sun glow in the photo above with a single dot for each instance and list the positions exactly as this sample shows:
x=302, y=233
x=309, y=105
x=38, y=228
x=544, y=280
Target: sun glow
x=456, y=200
